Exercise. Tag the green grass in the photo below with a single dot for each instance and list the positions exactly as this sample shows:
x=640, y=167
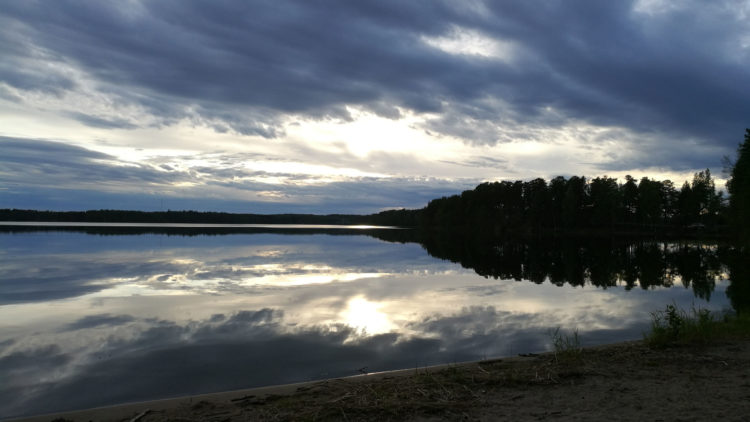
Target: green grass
x=674, y=326
x=567, y=346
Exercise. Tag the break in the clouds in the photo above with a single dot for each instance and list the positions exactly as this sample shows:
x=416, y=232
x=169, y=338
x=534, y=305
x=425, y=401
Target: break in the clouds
x=359, y=106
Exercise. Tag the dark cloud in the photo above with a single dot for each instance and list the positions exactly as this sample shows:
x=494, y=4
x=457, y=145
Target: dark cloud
x=480, y=162
x=101, y=122
x=621, y=67
x=45, y=358
x=91, y=321
x=28, y=151
x=56, y=165
x=49, y=83
x=676, y=73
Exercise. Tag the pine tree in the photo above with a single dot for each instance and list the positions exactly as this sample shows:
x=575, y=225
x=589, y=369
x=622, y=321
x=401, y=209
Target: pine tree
x=739, y=189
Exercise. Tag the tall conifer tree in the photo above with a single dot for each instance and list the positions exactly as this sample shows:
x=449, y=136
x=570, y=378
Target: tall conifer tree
x=739, y=189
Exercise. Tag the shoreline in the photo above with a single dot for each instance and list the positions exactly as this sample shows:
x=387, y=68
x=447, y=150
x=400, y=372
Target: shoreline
x=117, y=411
x=627, y=381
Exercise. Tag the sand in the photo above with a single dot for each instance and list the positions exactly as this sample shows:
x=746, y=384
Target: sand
x=625, y=381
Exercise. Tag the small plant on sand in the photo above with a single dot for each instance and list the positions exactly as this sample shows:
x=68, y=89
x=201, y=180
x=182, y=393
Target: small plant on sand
x=567, y=347
x=673, y=325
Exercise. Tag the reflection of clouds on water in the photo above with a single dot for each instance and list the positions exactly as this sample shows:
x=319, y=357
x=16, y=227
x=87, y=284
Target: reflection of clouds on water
x=70, y=268
x=141, y=321
x=161, y=358
x=6, y=343
x=158, y=358
x=154, y=357
x=40, y=278
x=143, y=358
x=366, y=316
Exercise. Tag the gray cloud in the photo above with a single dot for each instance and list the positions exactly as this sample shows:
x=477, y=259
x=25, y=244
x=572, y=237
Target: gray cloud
x=27, y=151
x=51, y=175
x=101, y=122
x=677, y=73
x=92, y=321
x=45, y=358
x=39, y=163
x=480, y=162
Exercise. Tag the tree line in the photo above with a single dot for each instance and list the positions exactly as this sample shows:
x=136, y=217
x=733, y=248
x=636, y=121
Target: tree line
x=601, y=204
x=577, y=203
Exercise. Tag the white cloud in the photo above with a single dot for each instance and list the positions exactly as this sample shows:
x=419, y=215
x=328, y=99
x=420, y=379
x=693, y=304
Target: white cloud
x=471, y=42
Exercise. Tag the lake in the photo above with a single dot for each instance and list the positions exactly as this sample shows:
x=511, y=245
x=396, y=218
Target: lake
x=93, y=316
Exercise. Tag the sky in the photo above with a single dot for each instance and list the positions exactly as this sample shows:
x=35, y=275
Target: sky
x=322, y=106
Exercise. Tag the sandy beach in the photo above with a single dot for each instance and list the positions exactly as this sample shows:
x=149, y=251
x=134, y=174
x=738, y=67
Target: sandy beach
x=625, y=381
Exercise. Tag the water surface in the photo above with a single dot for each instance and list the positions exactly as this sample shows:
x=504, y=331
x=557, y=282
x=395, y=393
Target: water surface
x=96, y=317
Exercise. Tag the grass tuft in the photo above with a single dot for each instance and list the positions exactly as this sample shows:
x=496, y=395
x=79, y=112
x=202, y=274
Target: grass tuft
x=567, y=347
x=674, y=326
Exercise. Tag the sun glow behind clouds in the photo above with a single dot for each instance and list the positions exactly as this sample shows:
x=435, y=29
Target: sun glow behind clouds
x=366, y=316
x=367, y=133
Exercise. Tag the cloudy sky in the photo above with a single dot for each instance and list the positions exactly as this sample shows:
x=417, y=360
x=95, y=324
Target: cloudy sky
x=342, y=106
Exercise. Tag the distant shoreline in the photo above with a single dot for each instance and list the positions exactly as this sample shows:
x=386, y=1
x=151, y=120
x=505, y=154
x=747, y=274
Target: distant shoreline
x=181, y=217
x=188, y=225
x=401, y=218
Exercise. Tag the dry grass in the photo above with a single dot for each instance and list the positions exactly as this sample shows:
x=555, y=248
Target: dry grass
x=451, y=392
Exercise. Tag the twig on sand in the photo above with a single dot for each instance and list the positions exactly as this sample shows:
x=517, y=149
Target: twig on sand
x=140, y=415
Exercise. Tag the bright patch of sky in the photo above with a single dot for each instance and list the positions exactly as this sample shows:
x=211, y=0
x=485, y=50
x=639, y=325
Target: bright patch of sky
x=472, y=43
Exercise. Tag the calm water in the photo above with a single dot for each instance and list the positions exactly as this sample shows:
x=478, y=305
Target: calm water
x=104, y=317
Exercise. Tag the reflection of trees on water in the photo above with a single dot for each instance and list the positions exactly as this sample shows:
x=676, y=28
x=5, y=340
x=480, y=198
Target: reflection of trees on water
x=602, y=262
x=738, y=291
x=599, y=262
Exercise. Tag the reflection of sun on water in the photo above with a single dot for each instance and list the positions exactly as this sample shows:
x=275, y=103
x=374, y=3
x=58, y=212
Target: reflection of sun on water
x=365, y=316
